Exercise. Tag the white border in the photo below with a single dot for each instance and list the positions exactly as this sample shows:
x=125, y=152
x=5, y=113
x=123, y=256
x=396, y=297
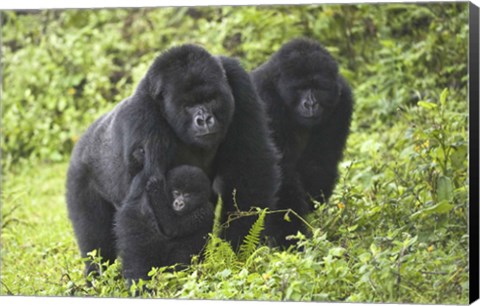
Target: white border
x=48, y=4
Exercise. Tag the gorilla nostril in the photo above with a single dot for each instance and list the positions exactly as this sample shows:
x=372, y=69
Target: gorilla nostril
x=210, y=120
x=310, y=105
x=204, y=121
x=199, y=121
x=307, y=104
x=178, y=205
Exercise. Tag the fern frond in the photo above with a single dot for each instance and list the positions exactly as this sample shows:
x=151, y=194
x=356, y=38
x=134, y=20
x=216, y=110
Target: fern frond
x=219, y=254
x=251, y=241
x=260, y=252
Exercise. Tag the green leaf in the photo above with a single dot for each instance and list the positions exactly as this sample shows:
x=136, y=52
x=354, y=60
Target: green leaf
x=444, y=190
x=427, y=105
x=338, y=251
x=365, y=257
x=410, y=241
x=352, y=228
x=459, y=156
x=443, y=96
x=225, y=273
x=441, y=208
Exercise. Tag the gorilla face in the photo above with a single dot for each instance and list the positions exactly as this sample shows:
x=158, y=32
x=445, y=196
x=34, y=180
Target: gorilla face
x=309, y=104
x=308, y=81
x=185, y=202
x=189, y=188
x=198, y=102
x=202, y=123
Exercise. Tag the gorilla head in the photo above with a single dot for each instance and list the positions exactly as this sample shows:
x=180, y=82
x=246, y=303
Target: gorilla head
x=189, y=188
x=307, y=81
x=196, y=97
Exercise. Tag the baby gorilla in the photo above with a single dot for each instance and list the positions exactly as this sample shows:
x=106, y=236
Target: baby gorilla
x=172, y=228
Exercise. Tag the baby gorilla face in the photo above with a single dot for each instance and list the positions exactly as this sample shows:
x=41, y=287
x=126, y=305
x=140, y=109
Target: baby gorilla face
x=183, y=202
x=189, y=188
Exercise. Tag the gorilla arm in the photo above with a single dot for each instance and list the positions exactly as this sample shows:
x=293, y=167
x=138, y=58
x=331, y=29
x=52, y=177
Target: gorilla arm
x=139, y=239
x=252, y=168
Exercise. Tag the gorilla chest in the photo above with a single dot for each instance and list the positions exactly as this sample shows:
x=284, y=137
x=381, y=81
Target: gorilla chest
x=295, y=144
x=201, y=158
x=301, y=140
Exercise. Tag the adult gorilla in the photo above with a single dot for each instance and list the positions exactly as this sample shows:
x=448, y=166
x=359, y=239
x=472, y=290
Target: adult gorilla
x=310, y=106
x=191, y=108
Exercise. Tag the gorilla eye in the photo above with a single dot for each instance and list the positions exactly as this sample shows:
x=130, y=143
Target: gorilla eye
x=159, y=94
x=176, y=193
x=186, y=195
x=139, y=154
x=329, y=97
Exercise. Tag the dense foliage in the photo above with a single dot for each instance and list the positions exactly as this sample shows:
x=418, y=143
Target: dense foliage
x=395, y=229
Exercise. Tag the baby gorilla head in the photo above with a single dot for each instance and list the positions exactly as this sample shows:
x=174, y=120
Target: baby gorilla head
x=189, y=188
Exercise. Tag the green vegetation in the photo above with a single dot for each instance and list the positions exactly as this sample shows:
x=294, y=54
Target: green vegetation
x=395, y=229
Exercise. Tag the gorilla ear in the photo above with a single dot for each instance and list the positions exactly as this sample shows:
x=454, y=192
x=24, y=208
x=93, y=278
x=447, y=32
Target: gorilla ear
x=154, y=85
x=156, y=90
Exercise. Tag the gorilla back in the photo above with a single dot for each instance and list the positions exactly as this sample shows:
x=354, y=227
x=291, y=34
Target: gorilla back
x=190, y=108
x=310, y=107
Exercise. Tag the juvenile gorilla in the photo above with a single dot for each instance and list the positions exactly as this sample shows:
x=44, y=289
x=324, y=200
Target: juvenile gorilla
x=310, y=107
x=167, y=223
x=191, y=108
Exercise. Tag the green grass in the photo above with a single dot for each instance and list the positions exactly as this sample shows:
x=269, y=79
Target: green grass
x=38, y=245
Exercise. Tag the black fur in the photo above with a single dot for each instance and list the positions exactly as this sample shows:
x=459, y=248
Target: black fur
x=166, y=123
x=151, y=232
x=310, y=107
